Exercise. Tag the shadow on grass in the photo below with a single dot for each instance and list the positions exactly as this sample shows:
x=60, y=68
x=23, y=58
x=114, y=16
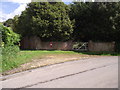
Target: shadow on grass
x=37, y=50
x=99, y=53
x=105, y=53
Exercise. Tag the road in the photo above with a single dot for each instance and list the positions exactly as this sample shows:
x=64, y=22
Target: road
x=97, y=72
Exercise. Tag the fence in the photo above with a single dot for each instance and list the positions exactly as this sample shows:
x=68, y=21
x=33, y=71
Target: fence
x=36, y=44
x=101, y=46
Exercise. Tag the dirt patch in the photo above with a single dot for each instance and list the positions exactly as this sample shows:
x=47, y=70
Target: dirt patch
x=48, y=60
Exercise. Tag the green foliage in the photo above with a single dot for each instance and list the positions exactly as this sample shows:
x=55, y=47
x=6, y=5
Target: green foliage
x=9, y=54
x=8, y=23
x=96, y=21
x=10, y=51
x=9, y=38
x=28, y=56
x=49, y=21
x=100, y=53
x=8, y=47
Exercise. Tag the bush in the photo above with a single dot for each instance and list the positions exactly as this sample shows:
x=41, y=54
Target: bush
x=9, y=38
x=9, y=47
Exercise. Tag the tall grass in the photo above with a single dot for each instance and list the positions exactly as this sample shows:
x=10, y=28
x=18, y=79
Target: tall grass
x=9, y=53
x=12, y=57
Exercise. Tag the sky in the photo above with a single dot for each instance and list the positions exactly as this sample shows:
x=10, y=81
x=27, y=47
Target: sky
x=10, y=8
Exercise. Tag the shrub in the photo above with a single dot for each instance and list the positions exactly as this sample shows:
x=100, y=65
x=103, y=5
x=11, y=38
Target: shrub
x=9, y=38
x=9, y=47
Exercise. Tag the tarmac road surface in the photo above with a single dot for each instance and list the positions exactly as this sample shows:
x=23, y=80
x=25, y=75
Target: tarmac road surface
x=100, y=72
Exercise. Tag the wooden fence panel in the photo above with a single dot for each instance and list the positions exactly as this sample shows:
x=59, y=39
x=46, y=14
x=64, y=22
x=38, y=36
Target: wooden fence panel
x=101, y=46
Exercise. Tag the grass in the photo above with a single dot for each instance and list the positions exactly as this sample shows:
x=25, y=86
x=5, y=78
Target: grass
x=28, y=55
x=105, y=53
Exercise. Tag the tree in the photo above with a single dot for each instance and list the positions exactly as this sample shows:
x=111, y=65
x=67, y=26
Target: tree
x=8, y=23
x=94, y=21
x=117, y=23
x=81, y=14
x=15, y=23
x=49, y=21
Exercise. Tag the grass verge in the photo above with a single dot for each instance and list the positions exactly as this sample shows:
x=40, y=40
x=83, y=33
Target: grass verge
x=101, y=53
x=44, y=57
x=27, y=56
